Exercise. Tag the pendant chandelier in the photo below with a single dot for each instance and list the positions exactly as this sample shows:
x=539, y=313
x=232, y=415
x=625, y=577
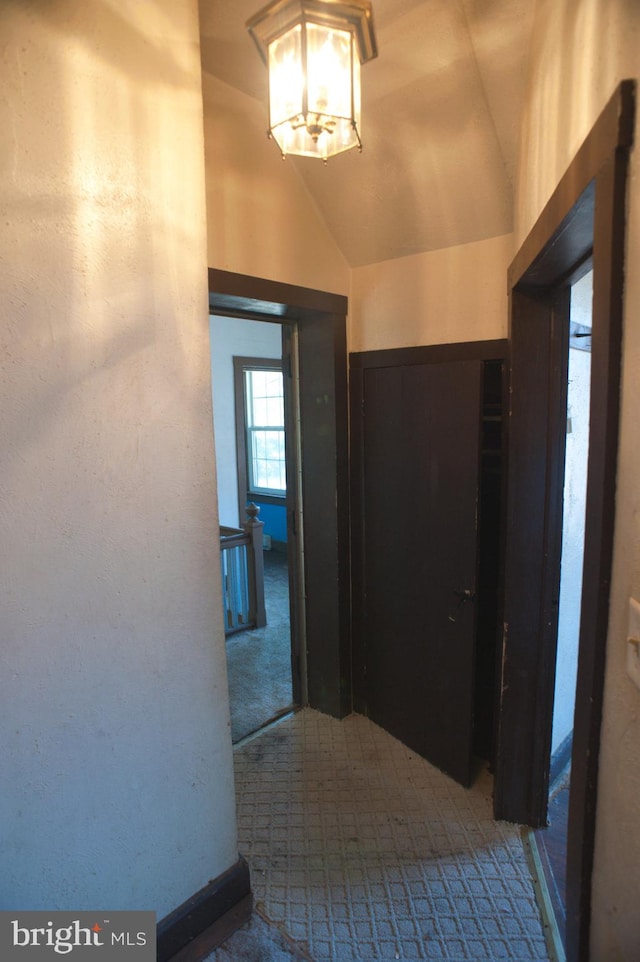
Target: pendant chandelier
x=313, y=50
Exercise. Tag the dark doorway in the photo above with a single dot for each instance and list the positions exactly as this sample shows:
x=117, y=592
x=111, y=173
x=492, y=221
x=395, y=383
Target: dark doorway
x=427, y=436
x=314, y=354
x=584, y=218
x=550, y=842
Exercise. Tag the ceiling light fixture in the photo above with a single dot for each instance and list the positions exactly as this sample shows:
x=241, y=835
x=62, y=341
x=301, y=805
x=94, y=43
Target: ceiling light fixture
x=313, y=49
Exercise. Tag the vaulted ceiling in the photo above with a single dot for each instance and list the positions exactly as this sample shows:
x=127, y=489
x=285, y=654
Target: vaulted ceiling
x=441, y=108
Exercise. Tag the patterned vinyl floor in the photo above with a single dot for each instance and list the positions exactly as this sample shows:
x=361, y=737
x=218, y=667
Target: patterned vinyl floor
x=360, y=851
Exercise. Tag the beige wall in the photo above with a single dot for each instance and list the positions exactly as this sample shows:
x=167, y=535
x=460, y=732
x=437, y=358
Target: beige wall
x=439, y=297
x=262, y=221
x=114, y=675
x=581, y=51
x=117, y=766
x=261, y=218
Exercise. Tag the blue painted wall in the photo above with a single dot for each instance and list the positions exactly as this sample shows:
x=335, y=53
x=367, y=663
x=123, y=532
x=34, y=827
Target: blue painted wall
x=274, y=517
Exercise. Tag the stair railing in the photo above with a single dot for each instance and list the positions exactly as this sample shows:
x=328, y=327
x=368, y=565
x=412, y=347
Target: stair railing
x=242, y=568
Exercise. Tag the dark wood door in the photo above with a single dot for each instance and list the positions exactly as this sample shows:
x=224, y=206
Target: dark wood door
x=533, y=545
x=420, y=454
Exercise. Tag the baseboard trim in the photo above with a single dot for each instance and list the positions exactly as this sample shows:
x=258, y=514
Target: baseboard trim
x=279, y=547
x=225, y=900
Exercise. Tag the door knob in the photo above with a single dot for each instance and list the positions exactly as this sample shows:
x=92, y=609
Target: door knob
x=465, y=594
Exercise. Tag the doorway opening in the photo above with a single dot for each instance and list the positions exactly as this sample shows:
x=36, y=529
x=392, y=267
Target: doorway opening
x=312, y=325
x=551, y=841
x=573, y=520
x=582, y=225
x=256, y=469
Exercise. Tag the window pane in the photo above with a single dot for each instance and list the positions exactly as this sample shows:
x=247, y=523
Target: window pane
x=275, y=474
x=260, y=473
x=259, y=444
x=265, y=431
x=275, y=412
x=273, y=383
x=272, y=445
x=259, y=382
x=260, y=415
x=265, y=403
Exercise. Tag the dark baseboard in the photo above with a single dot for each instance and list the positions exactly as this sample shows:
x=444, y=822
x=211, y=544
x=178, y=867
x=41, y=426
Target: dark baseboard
x=212, y=913
x=203, y=945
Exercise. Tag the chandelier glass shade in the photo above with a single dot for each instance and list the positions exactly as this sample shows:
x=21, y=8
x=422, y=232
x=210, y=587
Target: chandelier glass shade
x=313, y=50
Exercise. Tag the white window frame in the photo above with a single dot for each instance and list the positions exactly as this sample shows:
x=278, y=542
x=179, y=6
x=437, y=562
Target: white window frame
x=247, y=429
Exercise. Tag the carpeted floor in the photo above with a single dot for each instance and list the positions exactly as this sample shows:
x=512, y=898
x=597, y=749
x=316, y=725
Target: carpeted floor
x=259, y=660
x=260, y=941
x=361, y=851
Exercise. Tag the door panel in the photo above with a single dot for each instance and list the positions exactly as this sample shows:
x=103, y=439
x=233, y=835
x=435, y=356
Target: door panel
x=537, y=424
x=420, y=450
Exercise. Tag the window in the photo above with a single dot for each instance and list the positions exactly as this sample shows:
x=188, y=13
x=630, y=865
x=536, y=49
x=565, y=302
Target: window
x=264, y=408
x=260, y=428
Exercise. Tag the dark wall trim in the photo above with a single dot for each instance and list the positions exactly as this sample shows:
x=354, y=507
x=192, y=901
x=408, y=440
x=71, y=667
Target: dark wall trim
x=320, y=321
x=430, y=354
x=592, y=192
x=243, y=295
x=533, y=531
x=322, y=351
x=203, y=910
x=613, y=129
x=608, y=259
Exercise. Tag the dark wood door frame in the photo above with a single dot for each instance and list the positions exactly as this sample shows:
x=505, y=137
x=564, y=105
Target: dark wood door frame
x=585, y=218
x=320, y=320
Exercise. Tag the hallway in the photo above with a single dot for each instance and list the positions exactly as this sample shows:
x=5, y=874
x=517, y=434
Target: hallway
x=359, y=850
x=259, y=659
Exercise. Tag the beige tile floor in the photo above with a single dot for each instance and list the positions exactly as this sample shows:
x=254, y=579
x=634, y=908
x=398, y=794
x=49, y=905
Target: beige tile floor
x=360, y=851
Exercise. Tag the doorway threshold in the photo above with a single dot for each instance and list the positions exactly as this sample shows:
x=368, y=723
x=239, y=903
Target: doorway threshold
x=553, y=935
x=288, y=712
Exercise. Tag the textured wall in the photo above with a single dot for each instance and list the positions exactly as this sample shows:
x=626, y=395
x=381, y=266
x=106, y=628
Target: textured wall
x=580, y=53
x=439, y=297
x=261, y=218
x=117, y=769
